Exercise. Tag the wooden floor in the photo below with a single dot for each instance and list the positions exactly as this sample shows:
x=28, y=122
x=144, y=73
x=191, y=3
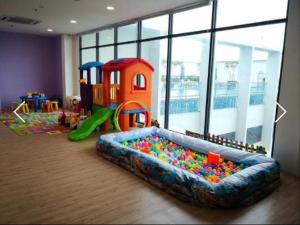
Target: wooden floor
x=47, y=179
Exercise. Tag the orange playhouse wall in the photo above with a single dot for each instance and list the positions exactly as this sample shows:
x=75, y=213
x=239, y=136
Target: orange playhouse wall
x=127, y=85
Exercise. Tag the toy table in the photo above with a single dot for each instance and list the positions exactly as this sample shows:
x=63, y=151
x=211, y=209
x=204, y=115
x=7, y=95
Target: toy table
x=37, y=100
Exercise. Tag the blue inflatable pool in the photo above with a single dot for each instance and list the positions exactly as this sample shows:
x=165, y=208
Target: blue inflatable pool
x=259, y=178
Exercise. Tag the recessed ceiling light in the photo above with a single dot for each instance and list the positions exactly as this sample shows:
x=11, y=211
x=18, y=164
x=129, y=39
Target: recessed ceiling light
x=109, y=7
x=50, y=30
x=73, y=21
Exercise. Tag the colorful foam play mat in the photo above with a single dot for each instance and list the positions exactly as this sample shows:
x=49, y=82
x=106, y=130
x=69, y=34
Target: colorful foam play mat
x=184, y=158
x=36, y=123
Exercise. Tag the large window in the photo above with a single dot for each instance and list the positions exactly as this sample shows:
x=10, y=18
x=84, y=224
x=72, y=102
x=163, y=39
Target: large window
x=127, y=33
x=155, y=27
x=88, y=40
x=155, y=52
x=233, y=12
x=127, y=51
x=226, y=53
x=89, y=55
x=188, y=83
x=245, y=82
x=106, y=54
x=188, y=21
x=106, y=37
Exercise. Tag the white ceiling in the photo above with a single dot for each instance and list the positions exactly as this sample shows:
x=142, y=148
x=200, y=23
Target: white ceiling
x=90, y=14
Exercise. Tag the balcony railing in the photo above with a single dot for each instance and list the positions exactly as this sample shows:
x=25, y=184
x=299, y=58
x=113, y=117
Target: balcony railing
x=257, y=93
x=225, y=96
x=181, y=105
x=256, y=99
x=223, y=102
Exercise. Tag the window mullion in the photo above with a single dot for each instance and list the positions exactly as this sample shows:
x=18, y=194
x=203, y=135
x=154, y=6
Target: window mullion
x=210, y=69
x=168, y=71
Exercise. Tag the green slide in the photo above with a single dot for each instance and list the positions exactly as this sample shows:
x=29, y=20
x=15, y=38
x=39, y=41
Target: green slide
x=90, y=124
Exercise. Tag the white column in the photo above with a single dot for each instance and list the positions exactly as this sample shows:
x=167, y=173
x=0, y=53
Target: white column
x=270, y=97
x=244, y=81
x=75, y=57
x=70, y=74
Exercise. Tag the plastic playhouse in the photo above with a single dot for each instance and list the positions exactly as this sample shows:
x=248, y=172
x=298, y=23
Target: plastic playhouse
x=115, y=103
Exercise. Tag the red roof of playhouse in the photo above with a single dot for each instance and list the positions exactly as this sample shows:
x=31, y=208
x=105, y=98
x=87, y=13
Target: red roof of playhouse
x=119, y=64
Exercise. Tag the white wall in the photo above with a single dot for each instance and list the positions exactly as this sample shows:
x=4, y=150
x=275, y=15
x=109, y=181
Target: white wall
x=219, y=125
x=75, y=57
x=185, y=121
x=70, y=72
x=255, y=116
x=287, y=142
x=67, y=66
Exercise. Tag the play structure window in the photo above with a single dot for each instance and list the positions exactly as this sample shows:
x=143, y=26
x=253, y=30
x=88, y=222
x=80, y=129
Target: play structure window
x=93, y=76
x=115, y=78
x=140, y=118
x=139, y=82
x=85, y=75
x=112, y=78
x=100, y=80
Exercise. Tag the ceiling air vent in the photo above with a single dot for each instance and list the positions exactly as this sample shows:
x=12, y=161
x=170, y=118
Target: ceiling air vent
x=19, y=20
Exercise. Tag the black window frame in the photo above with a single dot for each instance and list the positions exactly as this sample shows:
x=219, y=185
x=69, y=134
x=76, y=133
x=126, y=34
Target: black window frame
x=213, y=30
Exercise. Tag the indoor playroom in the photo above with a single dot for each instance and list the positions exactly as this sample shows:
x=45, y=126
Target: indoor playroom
x=129, y=112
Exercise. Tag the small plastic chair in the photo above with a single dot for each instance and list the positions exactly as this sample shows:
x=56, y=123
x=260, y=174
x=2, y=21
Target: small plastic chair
x=47, y=106
x=54, y=105
x=25, y=108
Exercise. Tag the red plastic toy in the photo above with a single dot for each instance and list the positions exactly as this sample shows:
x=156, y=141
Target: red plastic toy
x=47, y=107
x=213, y=158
